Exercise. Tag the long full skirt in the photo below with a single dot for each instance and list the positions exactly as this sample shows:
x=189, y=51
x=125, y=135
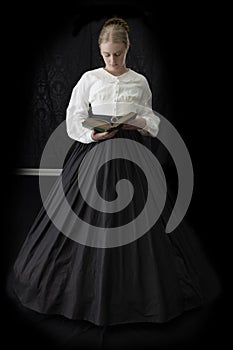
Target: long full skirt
x=95, y=252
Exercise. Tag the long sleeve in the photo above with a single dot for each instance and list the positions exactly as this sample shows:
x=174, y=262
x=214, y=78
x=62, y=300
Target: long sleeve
x=77, y=112
x=146, y=111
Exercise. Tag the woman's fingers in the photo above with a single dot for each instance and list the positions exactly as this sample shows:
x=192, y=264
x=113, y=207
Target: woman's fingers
x=112, y=133
x=97, y=136
x=130, y=127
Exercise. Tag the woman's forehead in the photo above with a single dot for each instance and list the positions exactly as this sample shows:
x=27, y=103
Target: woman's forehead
x=111, y=47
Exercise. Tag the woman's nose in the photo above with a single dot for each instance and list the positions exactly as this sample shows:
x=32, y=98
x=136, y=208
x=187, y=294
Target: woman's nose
x=112, y=59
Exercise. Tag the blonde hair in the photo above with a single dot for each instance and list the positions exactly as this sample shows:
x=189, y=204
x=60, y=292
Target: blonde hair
x=115, y=30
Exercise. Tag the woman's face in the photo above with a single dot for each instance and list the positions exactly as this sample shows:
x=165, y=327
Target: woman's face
x=114, y=55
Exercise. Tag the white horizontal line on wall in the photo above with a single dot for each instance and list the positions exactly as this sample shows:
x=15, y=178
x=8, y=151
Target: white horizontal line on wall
x=38, y=172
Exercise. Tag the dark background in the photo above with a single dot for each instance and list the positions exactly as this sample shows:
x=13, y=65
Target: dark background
x=178, y=48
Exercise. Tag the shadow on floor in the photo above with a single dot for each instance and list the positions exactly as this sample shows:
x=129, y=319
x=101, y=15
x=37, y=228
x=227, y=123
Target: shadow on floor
x=30, y=329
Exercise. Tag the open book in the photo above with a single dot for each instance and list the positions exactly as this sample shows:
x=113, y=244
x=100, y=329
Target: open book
x=100, y=125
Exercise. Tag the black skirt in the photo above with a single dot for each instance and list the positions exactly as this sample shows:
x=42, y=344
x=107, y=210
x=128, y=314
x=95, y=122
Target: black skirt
x=150, y=278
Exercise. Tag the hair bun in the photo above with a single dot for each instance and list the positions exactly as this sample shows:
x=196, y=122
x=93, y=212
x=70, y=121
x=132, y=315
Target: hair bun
x=117, y=21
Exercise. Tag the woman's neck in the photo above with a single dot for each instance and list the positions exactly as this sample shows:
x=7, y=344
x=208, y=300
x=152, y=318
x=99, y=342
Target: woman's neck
x=117, y=73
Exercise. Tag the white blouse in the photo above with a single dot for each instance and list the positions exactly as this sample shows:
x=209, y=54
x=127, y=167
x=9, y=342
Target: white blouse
x=109, y=95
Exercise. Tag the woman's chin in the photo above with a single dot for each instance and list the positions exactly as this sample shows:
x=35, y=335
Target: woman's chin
x=114, y=68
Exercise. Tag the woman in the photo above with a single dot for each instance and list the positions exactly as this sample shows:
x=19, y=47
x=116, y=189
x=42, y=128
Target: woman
x=153, y=277
x=119, y=85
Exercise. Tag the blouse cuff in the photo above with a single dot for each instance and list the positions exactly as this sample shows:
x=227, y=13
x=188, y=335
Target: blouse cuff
x=91, y=139
x=143, y=131
x=151, y=128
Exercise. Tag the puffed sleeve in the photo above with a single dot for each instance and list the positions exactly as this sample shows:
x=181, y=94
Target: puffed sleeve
x=145, y=110
x=77, y=112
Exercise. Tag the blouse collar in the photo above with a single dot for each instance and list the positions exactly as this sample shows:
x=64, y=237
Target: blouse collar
x=123, y=77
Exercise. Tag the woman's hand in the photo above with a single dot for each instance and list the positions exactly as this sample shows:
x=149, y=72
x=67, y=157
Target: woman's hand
x=98, y=136
x=137, y=123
